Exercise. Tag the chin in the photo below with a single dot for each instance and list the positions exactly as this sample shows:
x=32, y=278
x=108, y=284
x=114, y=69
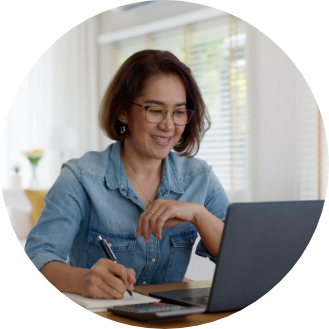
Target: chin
x=161, y=155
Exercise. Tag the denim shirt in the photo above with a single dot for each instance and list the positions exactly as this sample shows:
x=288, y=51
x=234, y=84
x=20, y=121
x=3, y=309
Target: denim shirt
x=92, y=196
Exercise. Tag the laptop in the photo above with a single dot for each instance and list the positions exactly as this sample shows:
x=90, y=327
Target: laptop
x=261, y=243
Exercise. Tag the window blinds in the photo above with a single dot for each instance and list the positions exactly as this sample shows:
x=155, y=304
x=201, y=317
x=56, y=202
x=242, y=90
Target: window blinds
x=215, y=51
x=218, y=62
x=313, y=149
x=323, y=159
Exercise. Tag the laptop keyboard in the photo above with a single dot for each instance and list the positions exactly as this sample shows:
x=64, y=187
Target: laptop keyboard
x=202, y=300
x=150, y=307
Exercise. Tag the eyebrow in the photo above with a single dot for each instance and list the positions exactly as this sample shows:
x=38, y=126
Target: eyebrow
x=153, y=101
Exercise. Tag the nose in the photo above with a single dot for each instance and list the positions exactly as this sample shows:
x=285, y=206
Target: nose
x=168, y=122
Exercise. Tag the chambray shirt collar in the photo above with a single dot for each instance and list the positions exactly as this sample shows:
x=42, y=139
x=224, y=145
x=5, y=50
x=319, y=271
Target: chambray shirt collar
x=113, y=171
x=170, y=181
x=115, y=176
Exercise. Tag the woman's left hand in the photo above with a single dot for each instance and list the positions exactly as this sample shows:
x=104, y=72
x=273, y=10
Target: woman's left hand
x=165, y=213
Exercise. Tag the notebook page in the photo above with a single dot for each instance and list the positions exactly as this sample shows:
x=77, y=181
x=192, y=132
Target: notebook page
x=91, y=303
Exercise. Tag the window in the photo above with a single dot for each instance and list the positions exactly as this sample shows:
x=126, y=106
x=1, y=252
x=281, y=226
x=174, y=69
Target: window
x=313, y=164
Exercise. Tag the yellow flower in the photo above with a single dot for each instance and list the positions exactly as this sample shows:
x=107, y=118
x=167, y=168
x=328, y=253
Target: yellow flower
x=34, y=153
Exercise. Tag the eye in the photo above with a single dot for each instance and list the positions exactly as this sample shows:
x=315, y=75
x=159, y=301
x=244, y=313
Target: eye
x=180, y=112
x=155, y=112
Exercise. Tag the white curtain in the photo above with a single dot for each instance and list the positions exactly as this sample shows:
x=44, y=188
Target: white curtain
x=61, y=89
x=283, y=142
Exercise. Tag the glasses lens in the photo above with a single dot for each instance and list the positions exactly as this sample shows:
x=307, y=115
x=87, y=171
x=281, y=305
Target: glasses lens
x=156, y=114
x=181, y=116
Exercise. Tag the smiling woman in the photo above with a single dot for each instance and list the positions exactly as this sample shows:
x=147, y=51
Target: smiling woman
x=148, y=141
x=136, y=73
x=148, y=202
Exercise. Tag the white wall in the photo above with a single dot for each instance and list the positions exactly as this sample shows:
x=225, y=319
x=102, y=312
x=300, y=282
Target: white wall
x=273, y=121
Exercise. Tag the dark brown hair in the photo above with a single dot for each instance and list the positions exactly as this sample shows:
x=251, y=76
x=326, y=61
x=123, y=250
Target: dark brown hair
x=128, y=83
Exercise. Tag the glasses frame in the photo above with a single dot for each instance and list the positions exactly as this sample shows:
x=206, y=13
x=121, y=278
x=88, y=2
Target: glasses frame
x=146, y=107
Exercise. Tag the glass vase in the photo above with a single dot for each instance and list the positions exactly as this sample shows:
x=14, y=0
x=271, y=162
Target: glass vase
x=34, y=179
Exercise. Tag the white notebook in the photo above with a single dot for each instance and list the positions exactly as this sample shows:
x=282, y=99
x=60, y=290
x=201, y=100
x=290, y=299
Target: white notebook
x=101, y=305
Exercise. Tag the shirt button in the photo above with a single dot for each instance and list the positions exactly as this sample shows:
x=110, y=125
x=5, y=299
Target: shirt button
x=122, y=189
x=135, y=197
x=153, y=260
x=144, y=282
x=192, y=241
x=109, y=244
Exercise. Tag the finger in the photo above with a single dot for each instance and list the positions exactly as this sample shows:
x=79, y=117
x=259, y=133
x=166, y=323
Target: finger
x=143, y=226
x=139, y=224
x=109, y=292
x=111, y=274
x=155, y=222
x=169, y=215
x=154, y=219
x=149, y=223
x=121, y=273
x=99, y=289
x=100, y=286
x=131, y=275
x=151, y=214
x=164, y=214
x=139, y=229
x=145, y=229
x=131, y=278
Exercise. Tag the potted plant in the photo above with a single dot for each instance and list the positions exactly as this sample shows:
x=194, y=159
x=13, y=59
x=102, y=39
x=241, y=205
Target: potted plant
x=16, y=179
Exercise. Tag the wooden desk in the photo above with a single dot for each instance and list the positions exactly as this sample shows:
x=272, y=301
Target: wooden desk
x=188, y=321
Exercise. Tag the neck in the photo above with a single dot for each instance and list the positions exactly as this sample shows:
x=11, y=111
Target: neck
x=145, y=176
x=139, y=166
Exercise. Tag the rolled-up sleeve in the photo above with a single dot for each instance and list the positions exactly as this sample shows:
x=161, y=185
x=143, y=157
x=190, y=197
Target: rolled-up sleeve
x=66, y=205
x=216, y=202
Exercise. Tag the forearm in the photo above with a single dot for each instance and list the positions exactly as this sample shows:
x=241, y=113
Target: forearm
x=210, y=229
x=64, y=277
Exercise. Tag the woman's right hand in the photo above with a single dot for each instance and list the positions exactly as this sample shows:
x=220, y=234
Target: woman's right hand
x=108, y=280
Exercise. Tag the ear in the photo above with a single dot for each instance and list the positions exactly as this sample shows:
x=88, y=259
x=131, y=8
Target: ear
x=123, y=117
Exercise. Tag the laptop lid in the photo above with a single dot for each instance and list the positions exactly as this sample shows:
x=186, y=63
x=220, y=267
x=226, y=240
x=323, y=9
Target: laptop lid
x=261, y=243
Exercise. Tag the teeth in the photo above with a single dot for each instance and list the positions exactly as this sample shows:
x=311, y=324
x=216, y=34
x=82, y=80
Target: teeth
x=159, y=139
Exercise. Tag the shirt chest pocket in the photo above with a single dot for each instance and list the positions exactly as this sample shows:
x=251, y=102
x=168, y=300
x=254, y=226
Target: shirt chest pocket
x=122, y=245
x=181, y=245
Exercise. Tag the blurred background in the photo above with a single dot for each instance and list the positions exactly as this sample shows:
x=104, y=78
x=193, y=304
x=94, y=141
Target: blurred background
x=267, y=140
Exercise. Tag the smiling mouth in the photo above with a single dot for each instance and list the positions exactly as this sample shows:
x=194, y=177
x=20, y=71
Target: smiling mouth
x=160, y=139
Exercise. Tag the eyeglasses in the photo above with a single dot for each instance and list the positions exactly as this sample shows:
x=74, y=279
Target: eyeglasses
x=156, y=114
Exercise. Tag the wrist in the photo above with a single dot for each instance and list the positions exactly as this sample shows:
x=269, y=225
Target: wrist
x=80, y=281
x=198, y=211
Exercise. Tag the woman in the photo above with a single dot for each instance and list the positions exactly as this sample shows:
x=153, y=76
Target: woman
x=148, y=202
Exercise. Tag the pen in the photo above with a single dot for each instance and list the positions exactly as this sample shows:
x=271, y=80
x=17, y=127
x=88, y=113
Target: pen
x=110, y=254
